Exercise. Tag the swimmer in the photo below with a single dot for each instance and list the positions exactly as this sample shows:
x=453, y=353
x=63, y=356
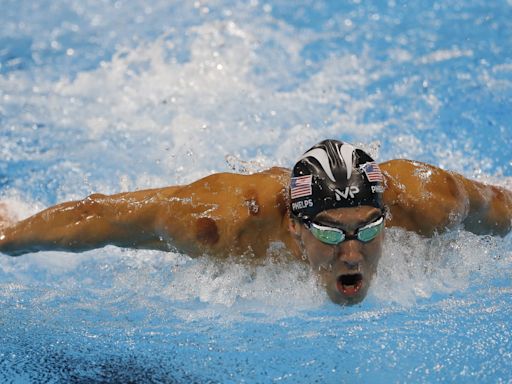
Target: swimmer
x=330, y=211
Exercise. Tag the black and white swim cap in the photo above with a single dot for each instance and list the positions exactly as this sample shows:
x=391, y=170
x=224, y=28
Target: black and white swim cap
x=333, y=174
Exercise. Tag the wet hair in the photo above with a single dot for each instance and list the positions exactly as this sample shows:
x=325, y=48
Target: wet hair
x=333, y=174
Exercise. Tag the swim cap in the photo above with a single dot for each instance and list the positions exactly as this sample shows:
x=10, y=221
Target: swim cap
x=333, y=174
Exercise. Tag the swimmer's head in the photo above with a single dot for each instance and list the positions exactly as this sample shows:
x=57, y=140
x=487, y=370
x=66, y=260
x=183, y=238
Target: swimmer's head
x=338, y=216
x=333, y=174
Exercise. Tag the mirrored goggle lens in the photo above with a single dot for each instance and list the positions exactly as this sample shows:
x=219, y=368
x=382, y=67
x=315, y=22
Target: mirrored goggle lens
x=371, y=231
x=325, y=235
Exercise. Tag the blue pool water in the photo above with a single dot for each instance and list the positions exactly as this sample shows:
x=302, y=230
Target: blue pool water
x=109, y=96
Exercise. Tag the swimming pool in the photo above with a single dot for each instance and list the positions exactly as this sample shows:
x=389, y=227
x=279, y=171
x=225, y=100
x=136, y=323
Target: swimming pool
x=112, y=96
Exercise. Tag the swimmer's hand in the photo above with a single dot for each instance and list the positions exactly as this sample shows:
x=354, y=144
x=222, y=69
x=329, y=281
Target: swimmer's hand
x=6, y=218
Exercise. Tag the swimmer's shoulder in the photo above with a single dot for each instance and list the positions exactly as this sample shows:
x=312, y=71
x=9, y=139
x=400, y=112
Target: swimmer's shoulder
x=275, y=175
x=414, y=175
x=401, y=166
x=268, y=188
x=266, y=180
x=422, y=197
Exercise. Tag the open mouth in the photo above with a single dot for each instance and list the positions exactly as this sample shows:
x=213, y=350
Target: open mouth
x=350, y=284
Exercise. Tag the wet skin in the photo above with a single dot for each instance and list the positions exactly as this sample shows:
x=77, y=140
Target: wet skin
x=346, y=269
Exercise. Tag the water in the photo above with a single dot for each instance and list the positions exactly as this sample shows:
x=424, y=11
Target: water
x=113, y=96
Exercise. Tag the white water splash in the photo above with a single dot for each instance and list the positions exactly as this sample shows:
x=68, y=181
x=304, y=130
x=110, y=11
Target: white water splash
x=414, y=267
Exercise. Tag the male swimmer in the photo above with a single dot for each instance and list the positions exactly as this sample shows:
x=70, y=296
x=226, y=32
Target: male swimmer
x=331, y=211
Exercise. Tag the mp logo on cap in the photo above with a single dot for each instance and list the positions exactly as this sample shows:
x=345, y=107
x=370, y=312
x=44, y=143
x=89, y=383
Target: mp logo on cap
x=349, y=191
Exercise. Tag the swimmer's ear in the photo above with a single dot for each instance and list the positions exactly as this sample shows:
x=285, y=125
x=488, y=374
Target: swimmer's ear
x=294, y=226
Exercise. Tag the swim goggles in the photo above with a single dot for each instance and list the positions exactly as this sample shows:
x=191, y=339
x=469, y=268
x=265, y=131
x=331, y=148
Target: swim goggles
x=333, y=236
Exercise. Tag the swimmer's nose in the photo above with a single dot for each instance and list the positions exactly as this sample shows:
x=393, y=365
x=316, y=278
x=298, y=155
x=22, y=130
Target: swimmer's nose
x=349, y=256
x=352, y=265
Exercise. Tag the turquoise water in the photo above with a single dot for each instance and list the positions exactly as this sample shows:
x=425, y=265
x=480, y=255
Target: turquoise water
x=112, y=96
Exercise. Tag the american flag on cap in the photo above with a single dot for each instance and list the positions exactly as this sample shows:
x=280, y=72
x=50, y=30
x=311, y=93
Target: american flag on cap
x=373, y=172
x=300, y=186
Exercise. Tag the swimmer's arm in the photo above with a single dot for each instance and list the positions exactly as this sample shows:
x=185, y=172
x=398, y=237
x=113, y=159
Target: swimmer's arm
x=219, y=214
x=428, y=200
x=490, y=208
x=126, y=220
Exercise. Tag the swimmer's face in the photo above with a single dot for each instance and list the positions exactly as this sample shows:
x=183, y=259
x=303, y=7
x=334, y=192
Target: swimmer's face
x=346, y=268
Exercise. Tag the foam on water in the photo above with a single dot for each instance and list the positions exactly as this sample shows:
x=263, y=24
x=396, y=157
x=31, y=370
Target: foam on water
x=153, y=100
